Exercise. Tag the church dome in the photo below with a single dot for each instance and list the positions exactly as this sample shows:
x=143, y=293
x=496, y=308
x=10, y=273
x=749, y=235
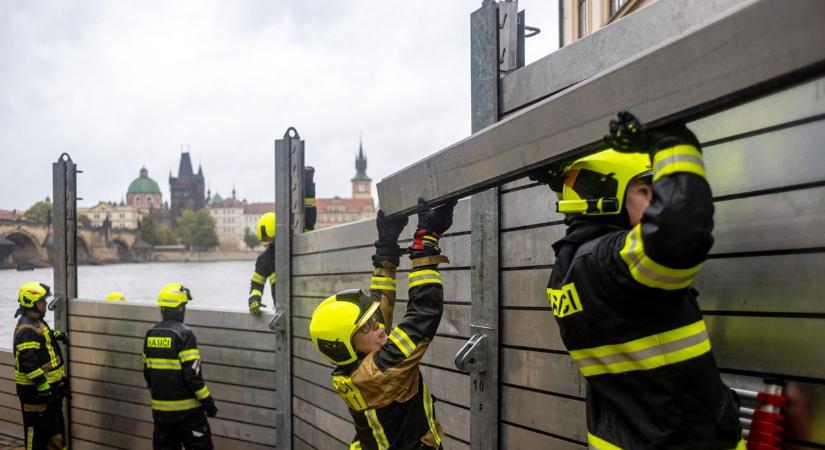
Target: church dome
x=143, y=184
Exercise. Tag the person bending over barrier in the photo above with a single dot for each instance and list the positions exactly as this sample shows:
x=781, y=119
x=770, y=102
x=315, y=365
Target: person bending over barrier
x=621, y=291
x=172, y=369
x=377, y=373
x=38, y=370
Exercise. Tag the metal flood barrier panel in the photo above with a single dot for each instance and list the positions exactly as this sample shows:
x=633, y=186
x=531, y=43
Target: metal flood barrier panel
x=110, y=403
x=330, y=260
x=11, y=419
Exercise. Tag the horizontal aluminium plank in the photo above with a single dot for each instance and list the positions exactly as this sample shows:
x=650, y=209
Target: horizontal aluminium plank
x=456, y=285
x=559, y=416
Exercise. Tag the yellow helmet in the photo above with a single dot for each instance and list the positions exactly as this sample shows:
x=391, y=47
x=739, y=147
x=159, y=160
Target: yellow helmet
x=596, y=184
x=266, y=227
x=31, y=292
x=173, y=295
x=336, y=320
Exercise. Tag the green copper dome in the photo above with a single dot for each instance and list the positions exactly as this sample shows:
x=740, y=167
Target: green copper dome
x=143, y=184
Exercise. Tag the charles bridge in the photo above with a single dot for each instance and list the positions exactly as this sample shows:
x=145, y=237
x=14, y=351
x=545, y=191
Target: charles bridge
x=32, y=244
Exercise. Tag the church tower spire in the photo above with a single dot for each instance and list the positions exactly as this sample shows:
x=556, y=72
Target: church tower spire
x=361, y=184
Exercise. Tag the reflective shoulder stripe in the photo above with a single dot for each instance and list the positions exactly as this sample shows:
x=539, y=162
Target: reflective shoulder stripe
x=189, y=355
x=33, y=345
x=355, y=445
x=402, y=341
x=273, y=278
x=428, y=410
x=176, y=405
x=258, y=278
x=600, y=444
x=650, y=352
x=383, y=283
x=377, y=429
x=419, y=277
x=647, y=271
x=202, y=393
x=163, y=364
x=681, y=158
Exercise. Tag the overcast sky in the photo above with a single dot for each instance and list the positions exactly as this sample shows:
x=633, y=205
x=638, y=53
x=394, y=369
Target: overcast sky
x=122, y=84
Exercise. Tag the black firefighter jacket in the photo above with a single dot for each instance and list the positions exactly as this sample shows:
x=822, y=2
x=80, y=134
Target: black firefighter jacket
x=386, y=394
x=628, y=316
x=264, y=270
x=38, y=358
x=172, y=369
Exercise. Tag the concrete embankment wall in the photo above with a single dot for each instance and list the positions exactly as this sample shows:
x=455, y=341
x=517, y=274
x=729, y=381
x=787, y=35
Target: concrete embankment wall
x=760, y=289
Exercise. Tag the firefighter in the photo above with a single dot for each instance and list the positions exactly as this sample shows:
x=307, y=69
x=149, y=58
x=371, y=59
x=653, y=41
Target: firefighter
x=639, y=218
x=265, y=229
x=264, y=265
x=377, y=372
x=38, y=370
x=181, y=401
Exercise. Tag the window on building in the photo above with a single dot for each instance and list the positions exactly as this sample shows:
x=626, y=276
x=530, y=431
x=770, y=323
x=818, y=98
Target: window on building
x=616, y=6
x=582, y=11
x=137, y=201
x=149, y=201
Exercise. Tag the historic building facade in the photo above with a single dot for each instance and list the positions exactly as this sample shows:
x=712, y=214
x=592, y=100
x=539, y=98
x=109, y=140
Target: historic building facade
x=583, y=17
x=144, y=193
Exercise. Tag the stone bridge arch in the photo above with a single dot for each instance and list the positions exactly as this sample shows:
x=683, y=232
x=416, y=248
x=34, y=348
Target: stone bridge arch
x=124, y=250
x=27, y=248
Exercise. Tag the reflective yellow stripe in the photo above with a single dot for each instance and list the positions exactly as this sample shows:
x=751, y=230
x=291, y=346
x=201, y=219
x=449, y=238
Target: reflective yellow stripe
x=256, y=292
x=647, y=353
x=310, y=202
x=402, y=341
x=29, y=437
x=383, y=283
x=34, y=373
x=741, y=445
x=20, y=378
x=163, y=364
x=189, y=355
x=355, y=445
x=258, y=278
x=600, y=444
x=202, y=393
x=273, y=278
x=377, y=429
x=54, y=360
x=428, y=410
x=431, y=238
x=420, y=277
x=175, y=405
x=34, y=345
x=53, y=376
x=647, y=271
x=681, y=158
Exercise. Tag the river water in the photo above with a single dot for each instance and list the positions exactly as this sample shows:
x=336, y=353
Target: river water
x=219, y=283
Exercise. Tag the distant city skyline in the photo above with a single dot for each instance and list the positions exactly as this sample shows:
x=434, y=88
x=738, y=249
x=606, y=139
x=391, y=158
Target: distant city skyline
x=120, y=85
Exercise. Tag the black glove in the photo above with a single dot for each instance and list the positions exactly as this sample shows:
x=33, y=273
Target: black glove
x=552, y=175
x=209, y=406
x=627, y=135
x=61, y=336
x=63, y=389
x=386, y=247
x=432, y=223
x=255, y=304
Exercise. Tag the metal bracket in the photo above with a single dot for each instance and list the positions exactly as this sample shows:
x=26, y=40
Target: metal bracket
x=55, y=303
x=472, y=356
x=278, y=322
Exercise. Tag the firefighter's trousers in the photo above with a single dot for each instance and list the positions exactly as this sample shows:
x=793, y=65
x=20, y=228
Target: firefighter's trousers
x=192, y=433
x=43, y=425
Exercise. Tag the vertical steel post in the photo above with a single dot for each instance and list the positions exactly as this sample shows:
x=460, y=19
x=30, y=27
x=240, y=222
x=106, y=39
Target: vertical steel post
x=289, y=200
x=64, y=244
x=484, y=314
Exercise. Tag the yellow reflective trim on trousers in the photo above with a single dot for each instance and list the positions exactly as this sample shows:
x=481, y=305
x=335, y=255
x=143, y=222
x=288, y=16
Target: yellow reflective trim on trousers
x=33, y=345
x=647, y=271
x=600, y=444
x=189, y=355
x=355, y=445
x=202, y=393
x=383, y=283
x=273, y=278
x=163, y=364
x=377, y=429
x=29, y=437
x=420, y=277
x=681, y=158
x=175, y=405
x=428, y=410
x=402, y=341
x=258, y=278
x=647, y=353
